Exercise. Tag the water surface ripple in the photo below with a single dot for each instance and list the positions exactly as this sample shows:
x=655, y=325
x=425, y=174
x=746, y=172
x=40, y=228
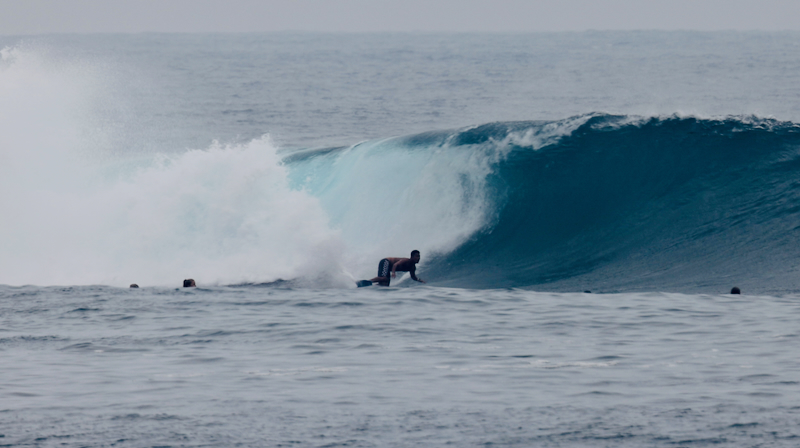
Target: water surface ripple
x=103, y=366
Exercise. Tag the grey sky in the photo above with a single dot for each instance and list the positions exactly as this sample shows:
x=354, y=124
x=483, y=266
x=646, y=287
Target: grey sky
x=55, y=16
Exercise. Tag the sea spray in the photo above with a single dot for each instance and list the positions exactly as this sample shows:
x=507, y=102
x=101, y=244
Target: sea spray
x=221, y=215
x=71, y=216
x=40, y=168
x=224, y=214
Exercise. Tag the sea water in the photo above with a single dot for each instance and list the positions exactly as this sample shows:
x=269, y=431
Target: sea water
x=583, y=203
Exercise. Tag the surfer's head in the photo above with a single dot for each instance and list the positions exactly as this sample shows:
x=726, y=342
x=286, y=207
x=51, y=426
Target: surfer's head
x=415, y=256
x=736, y=290
x=189, y=283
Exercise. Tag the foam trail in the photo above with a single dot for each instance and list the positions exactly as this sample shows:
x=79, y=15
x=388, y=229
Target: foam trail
x=220, y=215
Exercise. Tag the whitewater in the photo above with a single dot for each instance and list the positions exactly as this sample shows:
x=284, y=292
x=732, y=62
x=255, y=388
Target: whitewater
x=583, y=202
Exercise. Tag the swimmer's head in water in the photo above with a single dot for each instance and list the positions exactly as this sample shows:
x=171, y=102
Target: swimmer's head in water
x=736, y=290
x=189, y=283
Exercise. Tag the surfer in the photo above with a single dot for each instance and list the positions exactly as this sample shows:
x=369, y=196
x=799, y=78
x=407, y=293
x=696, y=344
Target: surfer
x=393, y=265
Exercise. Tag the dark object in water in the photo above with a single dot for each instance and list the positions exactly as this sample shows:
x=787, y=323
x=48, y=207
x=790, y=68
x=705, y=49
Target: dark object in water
x=134, y=285
x=736, y=290
x=189, y=283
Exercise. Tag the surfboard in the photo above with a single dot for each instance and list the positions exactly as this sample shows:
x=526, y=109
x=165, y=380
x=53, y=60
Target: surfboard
x=363, y=283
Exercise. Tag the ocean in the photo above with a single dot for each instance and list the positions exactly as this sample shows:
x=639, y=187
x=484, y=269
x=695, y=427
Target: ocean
x=583, y=203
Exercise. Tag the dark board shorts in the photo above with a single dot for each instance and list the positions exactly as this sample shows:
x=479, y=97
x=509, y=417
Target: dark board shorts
x=384, y=270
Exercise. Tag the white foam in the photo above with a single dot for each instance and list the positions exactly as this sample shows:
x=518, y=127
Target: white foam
x=224, y=214
x=221, y=215
x=537, y=137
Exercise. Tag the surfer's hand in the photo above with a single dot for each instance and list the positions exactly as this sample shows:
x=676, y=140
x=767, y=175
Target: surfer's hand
x=394, y=274
x=420, y=280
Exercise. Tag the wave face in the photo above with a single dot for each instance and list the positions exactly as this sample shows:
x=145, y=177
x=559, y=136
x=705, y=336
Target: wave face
x=596, y=202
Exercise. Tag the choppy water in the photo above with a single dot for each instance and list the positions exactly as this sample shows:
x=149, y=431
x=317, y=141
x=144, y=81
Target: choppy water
x=655, y=169
x=264, y=366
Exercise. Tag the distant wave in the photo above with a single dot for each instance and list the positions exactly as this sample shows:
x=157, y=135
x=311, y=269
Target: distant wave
x=599, y=202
